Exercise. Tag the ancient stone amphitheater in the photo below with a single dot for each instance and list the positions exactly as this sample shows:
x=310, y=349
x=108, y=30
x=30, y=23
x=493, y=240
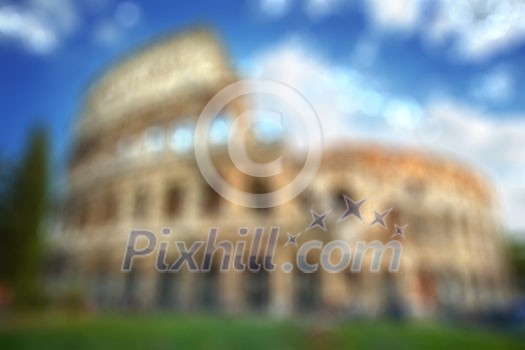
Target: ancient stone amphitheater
x=132, y=166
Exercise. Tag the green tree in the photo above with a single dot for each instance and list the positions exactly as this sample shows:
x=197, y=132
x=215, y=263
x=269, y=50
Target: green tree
x=516, y=256
x=23, y=205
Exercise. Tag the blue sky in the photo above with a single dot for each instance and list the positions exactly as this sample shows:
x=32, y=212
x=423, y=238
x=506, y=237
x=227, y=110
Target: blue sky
x=456, y=68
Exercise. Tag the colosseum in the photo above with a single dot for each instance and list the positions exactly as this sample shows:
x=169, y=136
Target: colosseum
x=132, y=166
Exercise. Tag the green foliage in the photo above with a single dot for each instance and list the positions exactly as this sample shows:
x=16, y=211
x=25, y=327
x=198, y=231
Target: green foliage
x=201, y=332
x=516, y=257
x=23, y=204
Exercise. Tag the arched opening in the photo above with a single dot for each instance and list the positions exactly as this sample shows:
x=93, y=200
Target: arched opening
x=308, y=291
x=109, y=209
x=354, y=285
x=209, y=290
x=130, y=297
x=81, y=215
x=212, y=201
x=259, y=186
x=257, y=286
x=392, y=303
x=427, y=290
x=174, y=201
x=140, y=208
x=166, y=291
x=102, y=287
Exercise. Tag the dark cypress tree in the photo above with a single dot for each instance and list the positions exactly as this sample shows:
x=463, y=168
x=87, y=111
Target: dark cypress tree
x=23, y=204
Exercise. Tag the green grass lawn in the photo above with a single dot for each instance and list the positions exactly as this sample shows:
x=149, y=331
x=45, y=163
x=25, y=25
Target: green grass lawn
x=112, y=332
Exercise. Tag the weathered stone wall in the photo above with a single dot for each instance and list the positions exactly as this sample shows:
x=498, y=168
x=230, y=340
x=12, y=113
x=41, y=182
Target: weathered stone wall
x=119, y=181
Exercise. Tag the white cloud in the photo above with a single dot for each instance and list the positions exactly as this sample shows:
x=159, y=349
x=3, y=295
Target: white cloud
x=26, y=29
x=343, y=97
x=351, y=105
x=365, y=51
x=62, y=13
x=42, y=26
x=315, y=9
x=38, y=25
x=397, y=14
x=480, y=27
x=326, y=87
x=107, y=33
x=403, y=113
x=128, y=14
x=275, y=8
x=495, y=87
x=109, y=30
x=320, y=8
